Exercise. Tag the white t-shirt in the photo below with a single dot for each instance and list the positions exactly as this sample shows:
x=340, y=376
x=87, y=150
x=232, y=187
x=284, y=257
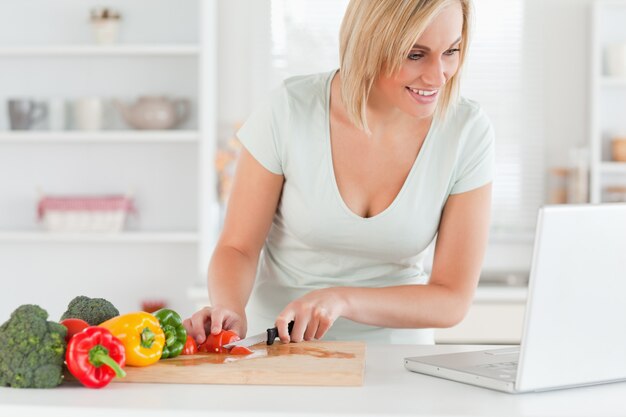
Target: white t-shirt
x=316, y=241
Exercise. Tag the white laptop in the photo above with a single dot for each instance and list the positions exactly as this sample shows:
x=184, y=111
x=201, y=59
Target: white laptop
x=575, y=321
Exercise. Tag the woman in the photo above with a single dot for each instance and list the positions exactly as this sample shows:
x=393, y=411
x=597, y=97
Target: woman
x=345, y=180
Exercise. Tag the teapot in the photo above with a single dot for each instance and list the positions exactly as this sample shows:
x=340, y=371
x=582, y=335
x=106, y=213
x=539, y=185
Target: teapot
x=154, y=112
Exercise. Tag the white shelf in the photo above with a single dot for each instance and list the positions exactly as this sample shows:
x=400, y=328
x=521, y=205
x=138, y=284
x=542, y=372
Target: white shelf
x=123, y=237
x=613, y=81
x=613, y=167
x=501, y=293
x=606, y=96
x=112, y=136
x=101, y=50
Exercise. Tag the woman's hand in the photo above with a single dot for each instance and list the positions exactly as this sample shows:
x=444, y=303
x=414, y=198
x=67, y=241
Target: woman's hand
x=213, y=320
x=313, y=315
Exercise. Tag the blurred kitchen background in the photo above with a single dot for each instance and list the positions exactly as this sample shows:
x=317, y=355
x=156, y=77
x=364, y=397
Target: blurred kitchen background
x=117, y=143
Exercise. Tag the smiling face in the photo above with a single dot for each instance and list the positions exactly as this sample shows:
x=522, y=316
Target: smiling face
x=433, y=60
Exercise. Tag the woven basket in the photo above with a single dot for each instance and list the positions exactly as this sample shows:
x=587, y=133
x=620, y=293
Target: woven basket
x=79, y=214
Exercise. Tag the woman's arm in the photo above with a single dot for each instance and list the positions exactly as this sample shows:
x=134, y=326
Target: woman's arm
x=443, y=302
x=251, y=207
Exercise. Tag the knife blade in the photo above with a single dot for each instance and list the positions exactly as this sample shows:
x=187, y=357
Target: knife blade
x=267, y=336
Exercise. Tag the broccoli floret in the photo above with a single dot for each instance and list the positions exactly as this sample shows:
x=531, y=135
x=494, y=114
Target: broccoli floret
x=93, y=310
x=32, y=349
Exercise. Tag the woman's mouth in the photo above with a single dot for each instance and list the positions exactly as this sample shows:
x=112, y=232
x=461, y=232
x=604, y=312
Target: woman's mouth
x=423, y=96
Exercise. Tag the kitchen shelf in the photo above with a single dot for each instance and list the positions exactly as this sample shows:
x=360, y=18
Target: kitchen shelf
x=613, y=81
x=112, y=136
x=607, y=92
x=101, y=50
x=173, y=170
x=501, y=293
x=123, y=237
x=613, y=167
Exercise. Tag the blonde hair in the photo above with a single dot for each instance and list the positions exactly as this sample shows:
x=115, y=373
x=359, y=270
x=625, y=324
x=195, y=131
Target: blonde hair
x=377, y=36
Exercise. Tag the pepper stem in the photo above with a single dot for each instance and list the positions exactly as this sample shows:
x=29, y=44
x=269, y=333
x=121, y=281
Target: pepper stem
x=147, y=338
x=99, y=355
x=170, y=337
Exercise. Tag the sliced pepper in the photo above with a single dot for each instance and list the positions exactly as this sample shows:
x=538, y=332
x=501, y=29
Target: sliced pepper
x=141, y=336
x=94, y=356
x=214, y=343
x=175, y=333
x=240, y=350
x=191, y=348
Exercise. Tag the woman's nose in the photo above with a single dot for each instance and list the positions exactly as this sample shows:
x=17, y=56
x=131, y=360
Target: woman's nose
x=434, y=74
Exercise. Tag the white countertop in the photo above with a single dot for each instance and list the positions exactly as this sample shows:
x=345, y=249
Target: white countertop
x=389, y=389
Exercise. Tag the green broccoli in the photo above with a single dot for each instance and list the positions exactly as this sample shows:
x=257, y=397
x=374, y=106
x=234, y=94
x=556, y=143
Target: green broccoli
x=32, y=349
x=93, y=310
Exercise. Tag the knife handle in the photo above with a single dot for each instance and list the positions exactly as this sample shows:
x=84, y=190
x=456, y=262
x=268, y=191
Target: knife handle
x=272, y=333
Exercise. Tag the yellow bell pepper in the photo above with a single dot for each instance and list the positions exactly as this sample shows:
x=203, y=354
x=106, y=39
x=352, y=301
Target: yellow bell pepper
x=141, y=335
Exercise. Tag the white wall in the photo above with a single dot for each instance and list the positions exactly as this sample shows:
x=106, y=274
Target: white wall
x=564, y=28
x=243, y=45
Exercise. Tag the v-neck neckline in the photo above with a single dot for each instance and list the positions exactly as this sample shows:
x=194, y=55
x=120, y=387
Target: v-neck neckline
x=329, y=153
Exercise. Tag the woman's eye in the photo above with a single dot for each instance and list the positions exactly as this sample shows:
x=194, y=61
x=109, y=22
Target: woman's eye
x=451, y=51
x=415, y=56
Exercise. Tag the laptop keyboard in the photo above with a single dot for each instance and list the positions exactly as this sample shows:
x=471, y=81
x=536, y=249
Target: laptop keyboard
x=501, y=370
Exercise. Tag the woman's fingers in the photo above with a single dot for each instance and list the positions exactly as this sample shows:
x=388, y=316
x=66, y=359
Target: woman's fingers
x=311, y=329
x=236, y=324
x=282, y=324
x=299, y=327
x=325, y=322
x=307, y=326
x=217, y=318
x=314, y=314
x=196, y=324
x=213, y=320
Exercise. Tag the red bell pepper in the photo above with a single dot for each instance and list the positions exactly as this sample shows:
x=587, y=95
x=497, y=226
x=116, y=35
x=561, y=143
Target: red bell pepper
x=214, y=343
x=73, y=326
x=94, y=356
x=190, y=348
x=240, y=350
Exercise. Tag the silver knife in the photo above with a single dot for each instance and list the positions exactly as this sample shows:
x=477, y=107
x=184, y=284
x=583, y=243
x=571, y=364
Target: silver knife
x=267, y=336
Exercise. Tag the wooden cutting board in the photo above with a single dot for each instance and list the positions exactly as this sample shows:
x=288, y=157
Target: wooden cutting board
x=305, y=363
